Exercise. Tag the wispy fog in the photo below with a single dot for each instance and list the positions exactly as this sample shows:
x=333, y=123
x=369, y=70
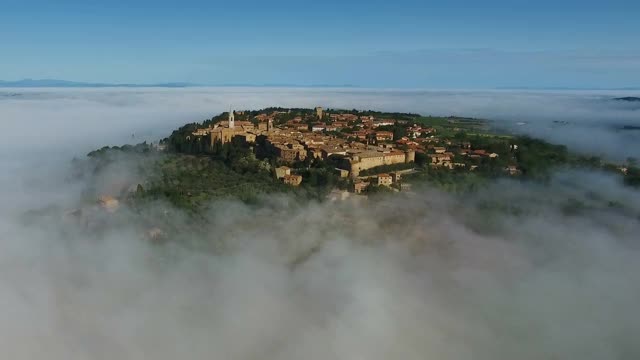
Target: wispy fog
x=423, y=276
x=587, y=121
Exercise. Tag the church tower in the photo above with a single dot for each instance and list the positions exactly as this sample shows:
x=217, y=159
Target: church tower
x=232, y=119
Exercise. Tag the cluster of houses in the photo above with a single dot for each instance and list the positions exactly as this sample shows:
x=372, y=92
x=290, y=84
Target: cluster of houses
x=440, y=156
x=355, y=138
x=359, y=186
x=296, y=140
x=388, y=180
x=284, y=173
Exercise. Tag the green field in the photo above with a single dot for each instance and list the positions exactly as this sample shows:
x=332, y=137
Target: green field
x=448, y=126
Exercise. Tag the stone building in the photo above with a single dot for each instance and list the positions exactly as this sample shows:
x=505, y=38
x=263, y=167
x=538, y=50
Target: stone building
x=360, y=187
x=385, y=180
x=384, y=136
x=225, y=131
x=342, y=173
x=410, y=156
x=293, y=180
x=291, y=152
x=370, y=159
x=222, y=134
x=282, y=171
x=108, y=203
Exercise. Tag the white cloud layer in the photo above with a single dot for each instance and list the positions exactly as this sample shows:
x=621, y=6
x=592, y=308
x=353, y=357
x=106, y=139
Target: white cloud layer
x=427, y=276
x=46, y=117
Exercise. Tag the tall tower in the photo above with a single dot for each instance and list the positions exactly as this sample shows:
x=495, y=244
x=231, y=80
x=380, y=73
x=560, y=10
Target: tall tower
x=232, y=119
x=270, y=125
x=409, y=156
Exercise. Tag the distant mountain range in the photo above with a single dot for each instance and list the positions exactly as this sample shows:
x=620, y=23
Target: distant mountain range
x=51, y=83
x=31, y=83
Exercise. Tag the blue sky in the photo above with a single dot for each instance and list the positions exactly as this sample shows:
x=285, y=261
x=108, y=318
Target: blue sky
x=401, y=43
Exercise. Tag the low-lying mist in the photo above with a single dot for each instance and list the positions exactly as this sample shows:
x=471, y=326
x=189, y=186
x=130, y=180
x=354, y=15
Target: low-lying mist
x=515, y=270
x=587, y=121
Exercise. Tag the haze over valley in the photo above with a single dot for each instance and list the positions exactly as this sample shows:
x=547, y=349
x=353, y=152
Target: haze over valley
x=511, y=270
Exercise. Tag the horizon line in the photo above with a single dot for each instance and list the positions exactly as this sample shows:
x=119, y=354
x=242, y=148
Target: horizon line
x=57, y=83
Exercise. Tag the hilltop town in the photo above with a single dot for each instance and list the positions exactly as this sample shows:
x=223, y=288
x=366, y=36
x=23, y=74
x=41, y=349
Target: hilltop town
x=365, y=148
x=310, y=154
x=327, y=154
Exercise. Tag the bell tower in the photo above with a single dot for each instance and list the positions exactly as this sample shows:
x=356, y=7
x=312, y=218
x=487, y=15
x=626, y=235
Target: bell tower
x=232, y=119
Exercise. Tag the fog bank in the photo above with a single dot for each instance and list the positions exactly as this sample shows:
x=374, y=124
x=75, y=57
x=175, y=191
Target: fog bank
x=589, y=120
x=426, y=275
